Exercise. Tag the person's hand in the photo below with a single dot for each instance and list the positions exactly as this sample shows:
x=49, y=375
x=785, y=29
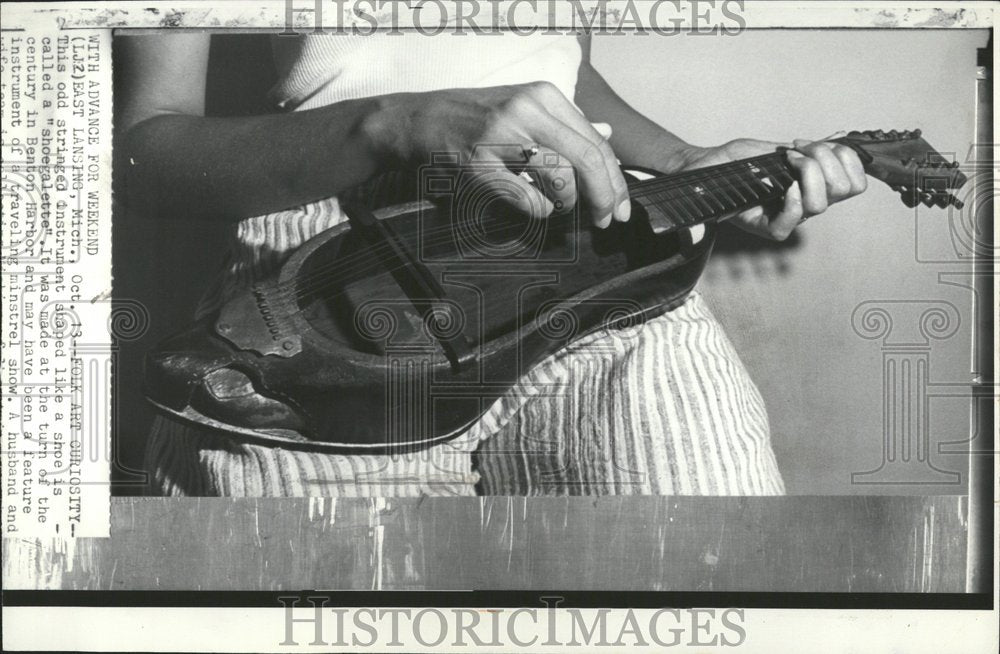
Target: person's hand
x=505, y=128
x=827, y=173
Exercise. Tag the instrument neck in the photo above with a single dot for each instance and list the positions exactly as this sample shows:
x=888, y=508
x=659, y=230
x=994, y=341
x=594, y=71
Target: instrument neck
x=708, y=194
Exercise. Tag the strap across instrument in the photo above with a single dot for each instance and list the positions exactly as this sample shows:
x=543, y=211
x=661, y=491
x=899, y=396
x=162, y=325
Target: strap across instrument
x=423, y=291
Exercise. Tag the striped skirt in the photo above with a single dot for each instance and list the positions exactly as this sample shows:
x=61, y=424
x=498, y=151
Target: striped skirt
x=663, y=409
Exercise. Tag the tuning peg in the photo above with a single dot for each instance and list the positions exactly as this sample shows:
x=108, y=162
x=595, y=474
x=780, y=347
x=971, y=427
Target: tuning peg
x=909, y=196
x=955, y=202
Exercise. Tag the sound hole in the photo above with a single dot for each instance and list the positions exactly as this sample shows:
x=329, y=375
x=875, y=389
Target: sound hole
x=327, y=284
x=347, y=296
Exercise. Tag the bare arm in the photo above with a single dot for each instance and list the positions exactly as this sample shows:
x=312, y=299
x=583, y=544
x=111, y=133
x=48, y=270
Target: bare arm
x=826, y=172
x=636, y=140
x=176, y=162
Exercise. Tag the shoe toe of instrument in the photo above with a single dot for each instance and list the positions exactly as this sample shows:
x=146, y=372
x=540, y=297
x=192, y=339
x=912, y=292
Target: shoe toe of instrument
x=228, y=395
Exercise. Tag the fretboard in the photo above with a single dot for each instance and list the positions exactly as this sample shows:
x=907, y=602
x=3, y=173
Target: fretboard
x=707, y=194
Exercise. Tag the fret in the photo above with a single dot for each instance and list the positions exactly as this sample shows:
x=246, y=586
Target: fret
x=780, y=172
x=769, y=183
x=770, y=188
x=662, y=197
x=690, y=206
x=681, y=197
x=712, y=197
x=737, y=186
x=701, y=198
x=759, y=188
x=745, y=184
x=664, y=202
x=710, y=205
x=676, y=215
x=699, y=195
x=687, y=209
x=665, y=213
x=723, y=192
x=784, y=172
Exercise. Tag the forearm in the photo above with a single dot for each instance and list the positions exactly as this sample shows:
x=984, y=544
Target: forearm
x=635, y=139
x=176, y=165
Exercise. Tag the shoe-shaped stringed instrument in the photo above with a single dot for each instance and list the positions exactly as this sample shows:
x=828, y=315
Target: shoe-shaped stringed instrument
x=399, y=328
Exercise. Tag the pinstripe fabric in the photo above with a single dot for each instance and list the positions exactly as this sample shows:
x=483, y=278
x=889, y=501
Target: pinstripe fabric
x=667, y=408
x=186, y=461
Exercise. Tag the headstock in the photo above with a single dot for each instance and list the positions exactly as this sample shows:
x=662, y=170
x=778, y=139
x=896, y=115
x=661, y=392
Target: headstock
x=909, y=165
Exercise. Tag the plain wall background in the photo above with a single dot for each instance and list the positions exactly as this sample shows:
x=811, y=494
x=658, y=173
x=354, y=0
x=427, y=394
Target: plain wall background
x=787, y=307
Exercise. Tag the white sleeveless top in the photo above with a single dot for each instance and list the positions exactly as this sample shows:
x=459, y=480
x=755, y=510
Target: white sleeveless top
x=316, y=71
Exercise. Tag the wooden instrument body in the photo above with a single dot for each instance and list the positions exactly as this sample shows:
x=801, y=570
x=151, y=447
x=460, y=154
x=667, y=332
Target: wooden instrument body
x=401, y=329
x=348, y=363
